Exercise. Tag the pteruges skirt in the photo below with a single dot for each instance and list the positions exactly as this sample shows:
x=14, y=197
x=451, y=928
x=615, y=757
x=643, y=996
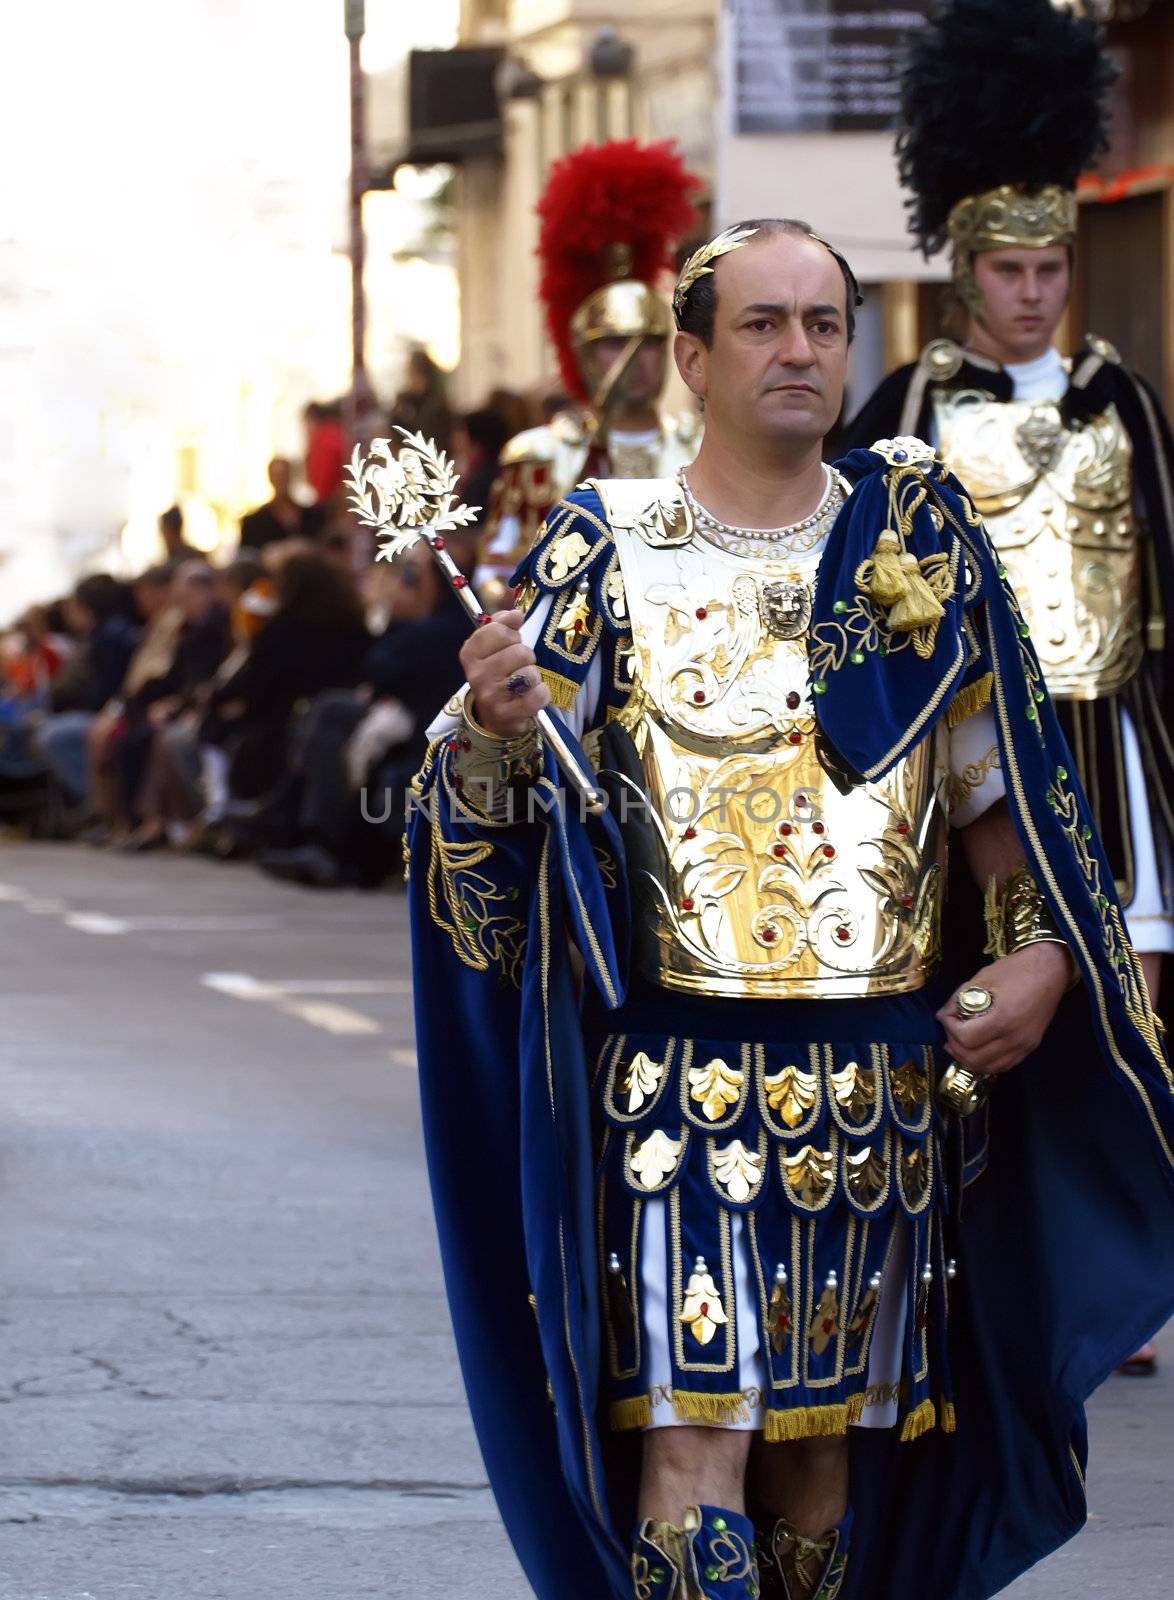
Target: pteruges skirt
x=771, y=1214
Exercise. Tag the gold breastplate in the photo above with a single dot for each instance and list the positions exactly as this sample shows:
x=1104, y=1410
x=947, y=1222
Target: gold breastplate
x=752, y=875
x=1057, y=501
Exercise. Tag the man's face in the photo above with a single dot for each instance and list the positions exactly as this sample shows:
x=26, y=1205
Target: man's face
x=1024, y=293
x=279, y=475
x=779, y=359
x=640, y=384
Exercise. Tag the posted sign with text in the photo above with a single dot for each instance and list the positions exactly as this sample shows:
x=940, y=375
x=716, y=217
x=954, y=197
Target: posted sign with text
x=817, y=66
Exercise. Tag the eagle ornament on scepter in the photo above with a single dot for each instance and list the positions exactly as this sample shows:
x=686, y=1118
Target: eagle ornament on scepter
x=410, y=493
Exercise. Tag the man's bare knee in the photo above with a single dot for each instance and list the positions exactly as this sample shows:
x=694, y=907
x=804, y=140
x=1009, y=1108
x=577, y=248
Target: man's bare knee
x=681, y=1449
x=692, y=1466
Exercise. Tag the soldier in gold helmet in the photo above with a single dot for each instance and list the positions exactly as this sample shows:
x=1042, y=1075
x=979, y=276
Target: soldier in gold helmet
x=1070, y=461
x=612, y=216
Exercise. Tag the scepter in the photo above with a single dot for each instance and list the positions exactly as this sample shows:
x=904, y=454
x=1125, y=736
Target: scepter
x=412, y=495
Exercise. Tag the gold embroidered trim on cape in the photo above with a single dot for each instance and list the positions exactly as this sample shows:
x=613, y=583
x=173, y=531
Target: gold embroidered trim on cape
x=920, y=1420
x=563, y=691
x=812, y=1422
x=713, y=1410
x=968, y=702
x=625, y=1415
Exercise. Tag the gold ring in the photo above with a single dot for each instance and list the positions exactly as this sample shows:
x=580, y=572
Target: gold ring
x=974, y=1001
x=961, y=1092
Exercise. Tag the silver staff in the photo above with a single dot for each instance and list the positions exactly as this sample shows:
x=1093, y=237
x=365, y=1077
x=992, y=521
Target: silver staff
x=411, y=495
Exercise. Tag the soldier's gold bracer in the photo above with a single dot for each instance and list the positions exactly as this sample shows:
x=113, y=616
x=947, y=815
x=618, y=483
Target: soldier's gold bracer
x=1057, y=501
x=754, y=875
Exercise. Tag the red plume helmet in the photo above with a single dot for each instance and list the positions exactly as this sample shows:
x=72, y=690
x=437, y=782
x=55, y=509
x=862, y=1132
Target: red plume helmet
x=610, y=211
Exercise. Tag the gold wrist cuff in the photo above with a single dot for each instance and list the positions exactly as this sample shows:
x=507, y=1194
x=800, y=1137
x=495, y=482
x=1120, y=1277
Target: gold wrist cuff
x=487, y=765
x=1017, y=915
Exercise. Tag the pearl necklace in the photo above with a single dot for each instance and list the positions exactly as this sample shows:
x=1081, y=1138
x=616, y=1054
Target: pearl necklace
x=796, y=538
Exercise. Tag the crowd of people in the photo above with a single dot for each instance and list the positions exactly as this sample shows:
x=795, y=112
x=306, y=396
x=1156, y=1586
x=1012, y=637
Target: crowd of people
x=272, y=707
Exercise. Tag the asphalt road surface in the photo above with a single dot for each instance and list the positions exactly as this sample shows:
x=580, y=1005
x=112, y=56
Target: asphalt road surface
x=226, y=1371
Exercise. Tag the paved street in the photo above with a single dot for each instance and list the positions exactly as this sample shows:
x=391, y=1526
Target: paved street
x=225, y=1364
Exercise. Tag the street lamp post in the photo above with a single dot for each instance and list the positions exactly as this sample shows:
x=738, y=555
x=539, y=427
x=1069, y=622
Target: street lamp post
x=362, y=420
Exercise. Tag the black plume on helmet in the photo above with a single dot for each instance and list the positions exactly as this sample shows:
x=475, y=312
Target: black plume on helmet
x=998, y=92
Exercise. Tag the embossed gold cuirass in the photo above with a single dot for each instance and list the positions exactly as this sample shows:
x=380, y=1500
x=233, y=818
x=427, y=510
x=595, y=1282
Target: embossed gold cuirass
x=752, y=874
x=1057, y=500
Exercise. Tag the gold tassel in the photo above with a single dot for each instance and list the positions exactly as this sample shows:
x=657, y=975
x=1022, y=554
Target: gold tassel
x=893, y=580
x=969, y=701
x=563, y=691
x=919, y=607
x=715, y=1410
x=885, y=581
x=919, y=1421
x=949, y=1417
x=625, y=1415
x=812, y=1422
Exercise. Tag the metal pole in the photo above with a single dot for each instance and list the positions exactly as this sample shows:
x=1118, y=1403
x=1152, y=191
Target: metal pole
x=362, y=421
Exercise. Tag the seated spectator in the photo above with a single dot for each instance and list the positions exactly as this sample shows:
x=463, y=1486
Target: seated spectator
x=348, y=744
x=201, y=643
x=151, y=592
x=98, y=615
x=32, y=653
x=106, y=635
x=281, y=517
x=316, y=639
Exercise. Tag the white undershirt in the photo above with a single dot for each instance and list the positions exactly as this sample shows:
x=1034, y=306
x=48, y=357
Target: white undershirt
x=1045, y=378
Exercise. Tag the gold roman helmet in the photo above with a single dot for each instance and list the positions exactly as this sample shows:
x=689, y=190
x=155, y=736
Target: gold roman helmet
x=611, y=216
x=622, y=309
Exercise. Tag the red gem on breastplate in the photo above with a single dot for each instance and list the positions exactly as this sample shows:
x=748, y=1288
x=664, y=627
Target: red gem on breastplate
x=769, y=936
x=699, y=696
x=818, y=827
x=792, y=700
x=829, y=850
x=786, y=830
x=902, y=827
x=690, y=833
x=907, y=902
x=843, y=934
x=780, y=851
x=795, y=737
x=686, y=905
x=702, y=613
x=460, y=581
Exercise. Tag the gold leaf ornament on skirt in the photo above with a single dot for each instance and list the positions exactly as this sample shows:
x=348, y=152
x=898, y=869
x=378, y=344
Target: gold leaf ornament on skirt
x=656, y=1158
x=715, y=1087
x=738, y=1169
x=641, y=1080
x=702, y=1312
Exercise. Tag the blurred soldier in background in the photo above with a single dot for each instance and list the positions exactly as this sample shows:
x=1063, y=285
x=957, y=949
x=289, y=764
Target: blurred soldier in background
x=612, y=216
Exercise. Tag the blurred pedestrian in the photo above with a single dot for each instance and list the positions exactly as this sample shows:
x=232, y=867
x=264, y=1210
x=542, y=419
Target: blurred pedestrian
x=326, y=451
x=175, y=546
x=281, y=517
x=422, y=405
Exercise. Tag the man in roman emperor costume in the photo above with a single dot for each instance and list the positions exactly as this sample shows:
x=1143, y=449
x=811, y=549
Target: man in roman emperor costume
x=789, y=1211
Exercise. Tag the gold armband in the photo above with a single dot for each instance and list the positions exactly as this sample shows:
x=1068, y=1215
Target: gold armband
x=1017, y=915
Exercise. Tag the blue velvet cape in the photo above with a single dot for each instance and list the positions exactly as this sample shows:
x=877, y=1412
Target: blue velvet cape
x=1067, y=1236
